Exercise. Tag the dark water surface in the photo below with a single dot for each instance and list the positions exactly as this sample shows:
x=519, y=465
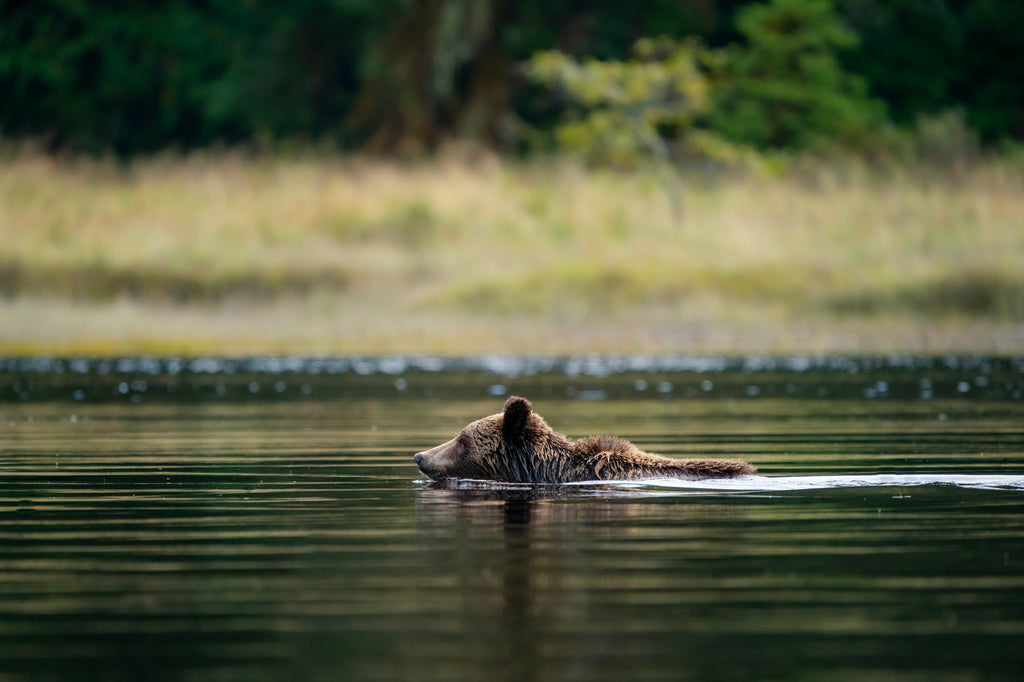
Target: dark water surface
x=262, y=520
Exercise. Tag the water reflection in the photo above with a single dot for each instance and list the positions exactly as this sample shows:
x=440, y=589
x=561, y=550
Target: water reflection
x=576, y=586
x=758, y=587
x=173, y=523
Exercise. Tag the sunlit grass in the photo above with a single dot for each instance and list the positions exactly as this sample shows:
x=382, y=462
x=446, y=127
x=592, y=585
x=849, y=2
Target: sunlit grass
x=460, y=255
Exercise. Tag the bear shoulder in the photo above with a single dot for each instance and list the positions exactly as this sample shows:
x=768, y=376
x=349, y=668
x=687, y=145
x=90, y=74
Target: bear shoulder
x=589, y=446
x=608, y=457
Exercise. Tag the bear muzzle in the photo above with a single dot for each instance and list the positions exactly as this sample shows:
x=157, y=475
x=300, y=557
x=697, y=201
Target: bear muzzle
x=432, y=462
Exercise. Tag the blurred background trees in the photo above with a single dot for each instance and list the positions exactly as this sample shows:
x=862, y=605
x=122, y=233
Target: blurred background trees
x=628, y=110
x=784, y=86
x=402, y=76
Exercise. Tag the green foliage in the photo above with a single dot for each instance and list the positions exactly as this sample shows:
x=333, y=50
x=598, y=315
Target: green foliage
x=135, y=77
x=393, y=75
x=925, y=57
x=786, y=88
x=624, y=112
x=109, y=76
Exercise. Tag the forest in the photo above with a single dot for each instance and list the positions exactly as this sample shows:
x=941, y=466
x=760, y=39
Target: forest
x=464, y=176
x=403, y=76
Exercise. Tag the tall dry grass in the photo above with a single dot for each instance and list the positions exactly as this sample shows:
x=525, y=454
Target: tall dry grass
x=406, y=253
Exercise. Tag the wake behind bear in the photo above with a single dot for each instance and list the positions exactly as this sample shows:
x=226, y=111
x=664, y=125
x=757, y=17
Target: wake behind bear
x=518, y=445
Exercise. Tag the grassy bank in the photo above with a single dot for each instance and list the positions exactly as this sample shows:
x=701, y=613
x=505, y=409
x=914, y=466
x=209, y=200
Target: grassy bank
x=224, y=253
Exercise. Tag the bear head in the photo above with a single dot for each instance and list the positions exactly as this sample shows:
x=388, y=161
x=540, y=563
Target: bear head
x=502, y=446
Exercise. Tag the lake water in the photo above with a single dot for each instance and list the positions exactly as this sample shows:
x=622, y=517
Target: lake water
x=262, y=519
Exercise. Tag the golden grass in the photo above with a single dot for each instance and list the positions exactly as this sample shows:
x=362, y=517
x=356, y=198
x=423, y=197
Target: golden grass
x=228, y=253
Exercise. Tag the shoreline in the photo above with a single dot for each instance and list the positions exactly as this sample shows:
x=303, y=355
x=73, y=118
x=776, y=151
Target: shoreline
x=226, y=254
x=330, y=326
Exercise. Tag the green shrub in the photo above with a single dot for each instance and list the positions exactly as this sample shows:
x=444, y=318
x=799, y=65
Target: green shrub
x=785, y=88
x=622, y=113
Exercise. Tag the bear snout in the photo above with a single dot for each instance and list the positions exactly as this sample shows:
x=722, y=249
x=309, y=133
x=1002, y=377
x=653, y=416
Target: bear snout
x=433, y=462
x=423, y=463
x=426, y=463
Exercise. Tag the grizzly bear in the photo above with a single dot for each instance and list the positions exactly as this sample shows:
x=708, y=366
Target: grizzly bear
x=518, y=445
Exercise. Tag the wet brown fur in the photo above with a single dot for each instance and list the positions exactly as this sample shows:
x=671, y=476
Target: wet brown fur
x=518, y=445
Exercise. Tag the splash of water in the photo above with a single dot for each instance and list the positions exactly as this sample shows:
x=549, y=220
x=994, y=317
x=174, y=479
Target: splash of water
x=789, y=483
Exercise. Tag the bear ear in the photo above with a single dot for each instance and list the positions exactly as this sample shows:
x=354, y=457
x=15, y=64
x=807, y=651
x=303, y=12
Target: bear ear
x=517, y=411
